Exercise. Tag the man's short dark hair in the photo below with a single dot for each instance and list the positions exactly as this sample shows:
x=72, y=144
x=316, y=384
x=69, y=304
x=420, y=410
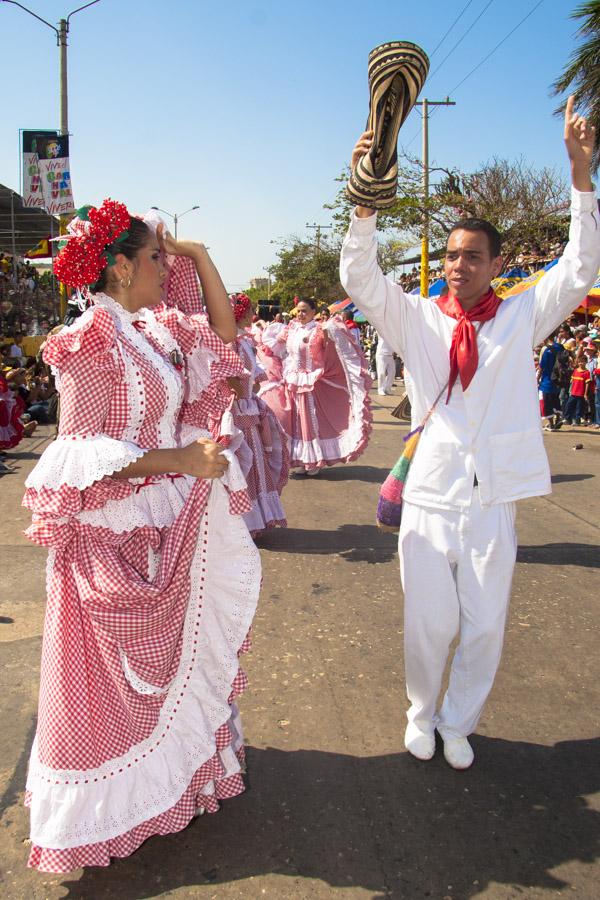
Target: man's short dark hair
x=493, y=235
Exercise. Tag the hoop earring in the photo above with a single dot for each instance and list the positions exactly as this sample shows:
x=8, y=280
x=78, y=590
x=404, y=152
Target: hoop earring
x=122, y=282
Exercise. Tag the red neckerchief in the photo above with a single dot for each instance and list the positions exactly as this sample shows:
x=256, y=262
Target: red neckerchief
x=464, y=356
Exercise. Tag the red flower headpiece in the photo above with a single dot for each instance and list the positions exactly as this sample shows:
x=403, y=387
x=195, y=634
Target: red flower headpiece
x=84, y=257
x=296, y=300
x=241, y=304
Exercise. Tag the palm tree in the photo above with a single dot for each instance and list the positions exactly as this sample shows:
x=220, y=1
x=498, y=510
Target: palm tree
x=582, y=73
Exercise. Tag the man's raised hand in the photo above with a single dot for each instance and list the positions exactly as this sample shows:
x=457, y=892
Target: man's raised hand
x=580, y=137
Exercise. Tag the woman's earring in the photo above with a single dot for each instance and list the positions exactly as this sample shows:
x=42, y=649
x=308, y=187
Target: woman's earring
x=126, y=283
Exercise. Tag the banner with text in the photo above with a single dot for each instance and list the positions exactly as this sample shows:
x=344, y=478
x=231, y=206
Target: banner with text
x=32, y=181
x=53, y=163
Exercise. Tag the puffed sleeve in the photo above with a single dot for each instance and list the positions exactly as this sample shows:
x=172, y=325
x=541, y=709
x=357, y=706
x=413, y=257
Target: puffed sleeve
x=89, y=368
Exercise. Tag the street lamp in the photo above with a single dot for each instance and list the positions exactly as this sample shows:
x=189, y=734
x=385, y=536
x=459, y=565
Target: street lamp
x=61, y=42
x=175, y=216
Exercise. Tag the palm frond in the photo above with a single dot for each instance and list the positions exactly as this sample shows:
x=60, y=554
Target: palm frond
x=581, y=75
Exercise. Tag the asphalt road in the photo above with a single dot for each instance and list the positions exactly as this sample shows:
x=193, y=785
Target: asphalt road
x=336, y=807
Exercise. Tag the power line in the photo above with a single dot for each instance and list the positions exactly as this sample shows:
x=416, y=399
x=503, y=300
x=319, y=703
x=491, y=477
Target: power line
x=461, y=39
x=485, y=58
x=457, y=19
x=481, y=62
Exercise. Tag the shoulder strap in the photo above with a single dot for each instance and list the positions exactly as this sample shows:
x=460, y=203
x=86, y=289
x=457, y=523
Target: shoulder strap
x=443, y=390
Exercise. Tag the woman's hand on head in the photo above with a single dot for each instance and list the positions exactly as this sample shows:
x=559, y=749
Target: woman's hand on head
x=203, y=459
x=169, y=245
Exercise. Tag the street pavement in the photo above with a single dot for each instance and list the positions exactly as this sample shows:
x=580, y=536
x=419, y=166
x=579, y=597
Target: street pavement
x=335, y=806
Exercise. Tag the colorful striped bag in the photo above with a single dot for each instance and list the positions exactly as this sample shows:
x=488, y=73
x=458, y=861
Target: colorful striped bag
x=389, y=505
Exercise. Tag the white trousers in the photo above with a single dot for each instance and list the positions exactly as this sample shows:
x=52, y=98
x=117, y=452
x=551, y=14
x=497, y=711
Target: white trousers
x=456, y=570
x=386, y=372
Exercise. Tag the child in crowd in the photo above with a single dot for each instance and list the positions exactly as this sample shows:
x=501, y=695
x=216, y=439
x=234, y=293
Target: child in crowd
x=576, y=405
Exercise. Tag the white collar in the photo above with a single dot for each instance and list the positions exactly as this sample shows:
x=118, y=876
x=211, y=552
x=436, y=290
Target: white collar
x=115, y=307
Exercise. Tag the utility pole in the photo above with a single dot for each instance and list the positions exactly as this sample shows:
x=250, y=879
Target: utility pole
x=425, y=239
x=61, y=40
x=268, y=284
x=319, y=229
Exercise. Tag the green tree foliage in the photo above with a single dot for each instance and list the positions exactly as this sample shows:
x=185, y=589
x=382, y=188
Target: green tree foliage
x=305, y=270
x=581, y=75
x=527, y=205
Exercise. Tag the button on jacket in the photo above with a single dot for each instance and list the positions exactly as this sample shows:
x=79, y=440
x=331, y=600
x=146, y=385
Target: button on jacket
x=492, y=429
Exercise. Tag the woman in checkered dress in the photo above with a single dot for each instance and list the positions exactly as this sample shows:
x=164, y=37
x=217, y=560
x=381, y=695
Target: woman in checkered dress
x=322, y=400
x=264, y=454
x=152, y=575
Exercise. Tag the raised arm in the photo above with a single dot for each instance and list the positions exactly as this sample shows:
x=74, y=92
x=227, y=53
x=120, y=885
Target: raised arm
x=383, y=302
x=215, y=296
x=566, y=285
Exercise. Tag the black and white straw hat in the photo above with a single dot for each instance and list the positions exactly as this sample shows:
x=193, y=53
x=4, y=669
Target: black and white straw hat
x=397, y=73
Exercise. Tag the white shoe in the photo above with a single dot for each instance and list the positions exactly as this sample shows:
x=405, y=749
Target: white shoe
x=419, y=744
x=312, y=472
x=458, y=752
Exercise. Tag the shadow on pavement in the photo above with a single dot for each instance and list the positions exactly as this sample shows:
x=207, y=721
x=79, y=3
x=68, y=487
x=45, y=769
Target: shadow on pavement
x=372, y=474
x=561, y=555
x=574, y=476
x=387, y=824
x=355, y=543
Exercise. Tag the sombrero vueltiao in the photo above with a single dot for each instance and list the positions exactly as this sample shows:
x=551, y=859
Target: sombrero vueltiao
x=397, y=72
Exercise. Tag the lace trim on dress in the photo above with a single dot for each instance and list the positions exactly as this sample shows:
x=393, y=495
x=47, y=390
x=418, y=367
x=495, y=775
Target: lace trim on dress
x=156, y=505
x=79, y=461
x=172, y=380
x=137, y=683
x=102, y=803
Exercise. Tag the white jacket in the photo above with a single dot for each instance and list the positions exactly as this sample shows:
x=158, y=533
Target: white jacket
x=493, y=429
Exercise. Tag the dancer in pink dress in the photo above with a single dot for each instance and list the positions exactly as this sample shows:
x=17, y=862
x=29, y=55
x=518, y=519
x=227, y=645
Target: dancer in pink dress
x=12, y=408
x=152, y=575
x=12, y=429
x=265, y=442
x=323, y=399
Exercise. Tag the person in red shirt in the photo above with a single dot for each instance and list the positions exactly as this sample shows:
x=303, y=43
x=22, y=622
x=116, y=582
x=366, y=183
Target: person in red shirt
x=580, y=380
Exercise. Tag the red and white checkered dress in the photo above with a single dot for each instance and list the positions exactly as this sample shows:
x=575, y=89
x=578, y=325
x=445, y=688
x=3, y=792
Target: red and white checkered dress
x=322, y=399
x=12, y=408
x=152, y=587
x=264, y=455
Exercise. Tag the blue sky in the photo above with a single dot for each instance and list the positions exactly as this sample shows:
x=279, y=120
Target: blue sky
x=250, y=109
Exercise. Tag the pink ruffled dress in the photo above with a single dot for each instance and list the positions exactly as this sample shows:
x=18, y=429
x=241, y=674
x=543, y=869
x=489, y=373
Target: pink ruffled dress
x=322, y=399
x=264, y=455
x=12, y=408
x=152, y=586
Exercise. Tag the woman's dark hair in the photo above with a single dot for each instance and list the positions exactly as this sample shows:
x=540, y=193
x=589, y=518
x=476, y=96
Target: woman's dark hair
x=138, y=237
x=309, y=302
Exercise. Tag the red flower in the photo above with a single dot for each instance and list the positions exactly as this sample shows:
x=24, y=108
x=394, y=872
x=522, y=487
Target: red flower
x=83, y=259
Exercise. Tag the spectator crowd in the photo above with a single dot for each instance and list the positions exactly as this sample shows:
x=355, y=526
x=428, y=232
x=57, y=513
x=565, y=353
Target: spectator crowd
x=29, y=302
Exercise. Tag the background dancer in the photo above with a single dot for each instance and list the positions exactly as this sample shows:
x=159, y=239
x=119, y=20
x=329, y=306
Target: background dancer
x=386, y=366
x=265, y=442
x=323, y=402
x=153, y=578
x=457, y=534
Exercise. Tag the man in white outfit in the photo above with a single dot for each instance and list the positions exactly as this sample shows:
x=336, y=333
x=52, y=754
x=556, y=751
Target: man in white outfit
x=457, y=540
x=386, y=366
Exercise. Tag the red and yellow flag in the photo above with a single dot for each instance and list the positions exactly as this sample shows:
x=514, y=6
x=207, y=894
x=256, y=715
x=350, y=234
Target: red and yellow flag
x=40, y=250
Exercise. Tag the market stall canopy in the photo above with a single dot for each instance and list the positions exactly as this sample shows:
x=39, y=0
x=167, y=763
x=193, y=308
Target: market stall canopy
x=31, y=225
x=591, y=304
